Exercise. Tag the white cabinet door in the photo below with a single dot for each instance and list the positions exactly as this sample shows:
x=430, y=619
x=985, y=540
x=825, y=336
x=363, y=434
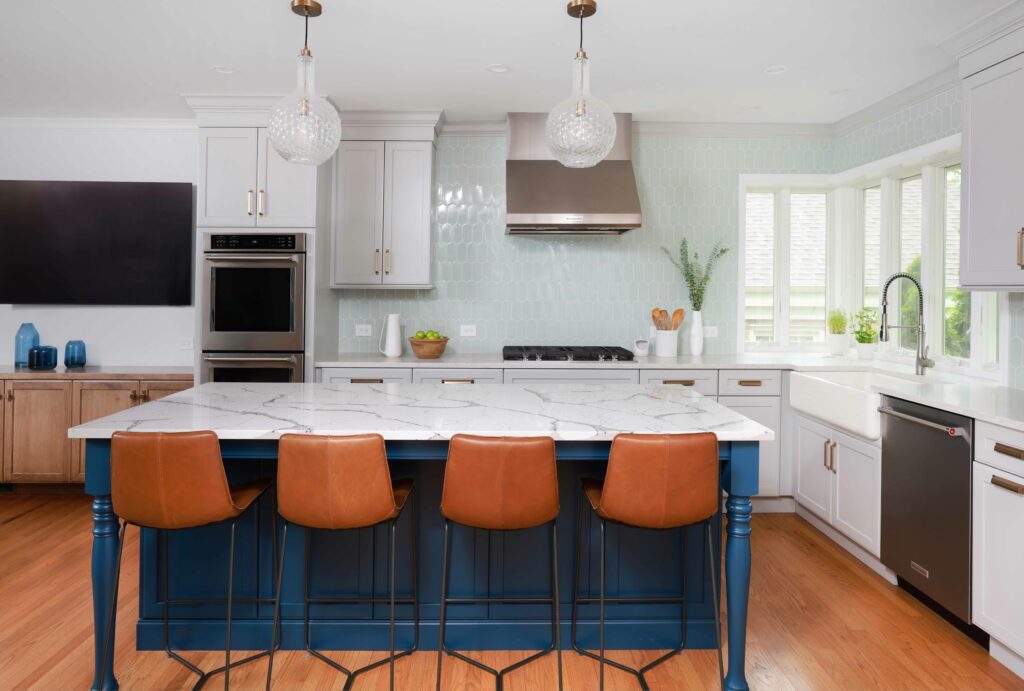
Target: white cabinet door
x=227, y=177
x=857, y=504
x=366, y=375
x=285, y=192
x=993, y=206
x=767, y=411
x=407, y=188
x=357, y=237
x=813, y=476
x=572, y=376
x=998, y=560
x=453, y=376
x=704, y=381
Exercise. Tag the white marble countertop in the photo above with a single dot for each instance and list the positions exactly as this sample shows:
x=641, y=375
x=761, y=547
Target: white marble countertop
x=566, y=412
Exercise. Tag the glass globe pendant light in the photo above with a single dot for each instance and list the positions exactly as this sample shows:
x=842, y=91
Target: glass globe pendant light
x=303, y=127
x=580, y=131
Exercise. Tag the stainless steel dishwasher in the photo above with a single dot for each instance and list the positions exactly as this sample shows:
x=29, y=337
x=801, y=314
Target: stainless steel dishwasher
x=926, y=501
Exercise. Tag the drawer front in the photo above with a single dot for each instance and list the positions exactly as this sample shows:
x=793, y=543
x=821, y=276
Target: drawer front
x=999, y=447
x=571, y=376
x=749, y=382
x=453, y=376
x=704, y=381
x=366, y=375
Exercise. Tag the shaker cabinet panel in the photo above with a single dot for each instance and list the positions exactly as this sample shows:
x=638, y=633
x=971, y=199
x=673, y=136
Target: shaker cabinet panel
x=37, y=416
x=358, y=225
x=813, y=477
x=151, y=390
x=285, y=192
x=767, y=411
x=992, y=236
x=407, y=187
x=92, y=400
x=857, y=505
x=227, y=177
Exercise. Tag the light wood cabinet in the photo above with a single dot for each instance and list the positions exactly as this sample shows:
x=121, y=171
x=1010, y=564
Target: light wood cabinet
x=381, y=234
x=998, y=560
x=37, y=415
x=992, y=233
x=92, y=400
x=151, y=390
x=244, y=183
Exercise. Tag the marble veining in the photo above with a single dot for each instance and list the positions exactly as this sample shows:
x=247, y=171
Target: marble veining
x=566, y=412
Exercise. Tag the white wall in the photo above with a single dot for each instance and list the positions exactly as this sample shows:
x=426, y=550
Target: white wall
x=131, y=151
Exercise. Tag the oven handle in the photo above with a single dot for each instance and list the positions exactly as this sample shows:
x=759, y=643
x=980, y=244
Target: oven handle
x=251, y=257
x=208, y=358
x=948, y=431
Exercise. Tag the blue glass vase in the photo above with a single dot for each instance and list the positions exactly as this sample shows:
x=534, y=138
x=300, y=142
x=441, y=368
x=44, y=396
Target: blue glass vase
x=26, y=339
x=74, y=354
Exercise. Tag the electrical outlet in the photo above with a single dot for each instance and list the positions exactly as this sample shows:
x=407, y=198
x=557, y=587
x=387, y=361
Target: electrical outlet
x=467, y=330
x=185, y=344
x=710, y=332
x=364, y=329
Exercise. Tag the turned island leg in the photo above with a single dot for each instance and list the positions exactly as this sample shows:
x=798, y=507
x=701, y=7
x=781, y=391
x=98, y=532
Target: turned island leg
x=104, y=570
x=741, y=483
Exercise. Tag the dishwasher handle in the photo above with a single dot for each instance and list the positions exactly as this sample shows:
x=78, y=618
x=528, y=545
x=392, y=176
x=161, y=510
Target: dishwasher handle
x=945, y=429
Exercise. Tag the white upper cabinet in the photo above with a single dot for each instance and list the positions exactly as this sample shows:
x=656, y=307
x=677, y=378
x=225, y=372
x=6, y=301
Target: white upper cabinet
x=382, y=205
x=992, y=233
x=244, y=183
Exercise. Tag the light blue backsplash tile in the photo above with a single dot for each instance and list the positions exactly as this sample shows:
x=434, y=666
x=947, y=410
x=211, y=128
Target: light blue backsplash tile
x=596, y=290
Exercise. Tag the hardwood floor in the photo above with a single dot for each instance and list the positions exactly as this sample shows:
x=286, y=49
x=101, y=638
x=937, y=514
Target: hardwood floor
x=818, y=620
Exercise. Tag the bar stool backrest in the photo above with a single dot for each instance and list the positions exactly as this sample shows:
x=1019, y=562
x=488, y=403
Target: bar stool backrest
x=500, y=483
x=334, y=483
x=661, y=480
x=169, y=480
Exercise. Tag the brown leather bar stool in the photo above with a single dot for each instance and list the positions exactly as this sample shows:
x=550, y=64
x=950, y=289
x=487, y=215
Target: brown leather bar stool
x=342, y=483
x=500, y=483
x=658, y=482
x=176, y=481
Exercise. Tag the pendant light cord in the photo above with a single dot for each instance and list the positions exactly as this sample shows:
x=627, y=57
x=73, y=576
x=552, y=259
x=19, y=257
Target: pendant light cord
x=581, y=32
x=305, y=38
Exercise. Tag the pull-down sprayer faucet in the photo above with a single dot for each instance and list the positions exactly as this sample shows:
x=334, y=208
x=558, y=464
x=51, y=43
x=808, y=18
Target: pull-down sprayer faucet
x=922, y=360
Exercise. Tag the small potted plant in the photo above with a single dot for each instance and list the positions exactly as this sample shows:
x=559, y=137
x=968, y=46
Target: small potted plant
x=865, y=332
x=697, y=277
x=838, y=339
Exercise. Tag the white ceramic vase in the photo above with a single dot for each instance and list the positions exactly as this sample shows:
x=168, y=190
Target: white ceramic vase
x=838, y=344
x=666, y=344
x=696, y=334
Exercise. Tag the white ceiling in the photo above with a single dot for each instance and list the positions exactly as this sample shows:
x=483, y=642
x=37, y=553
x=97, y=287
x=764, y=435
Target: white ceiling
x=692, y=60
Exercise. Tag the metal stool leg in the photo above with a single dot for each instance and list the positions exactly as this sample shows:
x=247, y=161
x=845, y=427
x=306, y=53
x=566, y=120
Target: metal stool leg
x=718, y=614
x=391, y=595
x=231, y=593
x=113, y=604
x=274, y=642
x=305, y=614
x=601, y=624
x=576, y=574
x=556, y=625
x=444, y=602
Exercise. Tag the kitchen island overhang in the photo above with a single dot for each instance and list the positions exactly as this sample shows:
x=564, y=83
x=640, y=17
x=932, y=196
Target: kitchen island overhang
x=416, y=421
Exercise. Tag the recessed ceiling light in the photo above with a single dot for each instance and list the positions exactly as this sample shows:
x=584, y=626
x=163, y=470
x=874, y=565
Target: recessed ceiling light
x=498, y=68
x=840, y=92
x=774, y=69
x=223, y=69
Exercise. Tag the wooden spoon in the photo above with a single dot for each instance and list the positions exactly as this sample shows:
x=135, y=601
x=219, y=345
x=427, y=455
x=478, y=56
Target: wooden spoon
x=677, y=319
x=656, y=317
x=664, y=320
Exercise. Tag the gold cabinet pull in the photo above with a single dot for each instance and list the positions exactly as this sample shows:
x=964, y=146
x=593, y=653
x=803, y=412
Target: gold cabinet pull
x=750, y=382
x=387, y=262
x=1010, y=485
x=679, y=382
x=1020, y=248
x=458, y=381
x=824, y=455
x=376, y=262
x=366, y=381
x=1007, y=450
x=832, y=458
x=259, y=202
x=248, y=203
x=133, y=397
x=144, y=396
x=10, y=394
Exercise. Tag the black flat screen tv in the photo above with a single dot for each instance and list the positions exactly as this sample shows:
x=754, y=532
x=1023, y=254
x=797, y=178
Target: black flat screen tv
x=95, y=243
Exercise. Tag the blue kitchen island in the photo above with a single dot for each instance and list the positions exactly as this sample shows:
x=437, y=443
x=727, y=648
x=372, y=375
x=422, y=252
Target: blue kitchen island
x=416, y=421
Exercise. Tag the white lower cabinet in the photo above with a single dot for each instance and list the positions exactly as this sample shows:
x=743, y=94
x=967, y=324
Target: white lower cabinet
x=365, y=375
x=839, y=479
x=446, y=375
x=765, y=410
x=572, y=376
x=998, y=556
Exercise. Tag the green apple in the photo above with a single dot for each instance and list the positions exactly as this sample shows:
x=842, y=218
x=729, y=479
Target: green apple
x=420, y=335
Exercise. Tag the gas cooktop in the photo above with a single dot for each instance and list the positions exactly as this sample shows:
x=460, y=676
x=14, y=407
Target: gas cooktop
x=567, y=353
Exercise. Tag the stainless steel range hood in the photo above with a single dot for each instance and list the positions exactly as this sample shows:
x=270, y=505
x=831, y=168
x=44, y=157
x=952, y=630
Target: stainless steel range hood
x=543, y=197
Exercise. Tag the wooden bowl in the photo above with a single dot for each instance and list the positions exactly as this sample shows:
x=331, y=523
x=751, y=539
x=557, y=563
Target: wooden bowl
x=428, y=349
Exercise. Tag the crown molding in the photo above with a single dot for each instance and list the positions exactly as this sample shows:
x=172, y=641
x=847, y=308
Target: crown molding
x=733, y=129
x=913, y=94
x=473, y=129
x=985, y=30
x=231, y=110
x=399, y=125
x=177, y=125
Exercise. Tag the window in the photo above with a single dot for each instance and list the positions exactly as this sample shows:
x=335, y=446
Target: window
x=956, y=304
x=871, y=227
x=785, y=268
x=759, y=269
x=909, y=260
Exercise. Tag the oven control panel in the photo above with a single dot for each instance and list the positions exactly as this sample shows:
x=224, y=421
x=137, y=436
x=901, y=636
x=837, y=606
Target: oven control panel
x=256, y=241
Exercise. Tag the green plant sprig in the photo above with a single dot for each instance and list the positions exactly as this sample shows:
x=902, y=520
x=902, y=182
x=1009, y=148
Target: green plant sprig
x=837, y=322
x=865, y=325
x=694, y=274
